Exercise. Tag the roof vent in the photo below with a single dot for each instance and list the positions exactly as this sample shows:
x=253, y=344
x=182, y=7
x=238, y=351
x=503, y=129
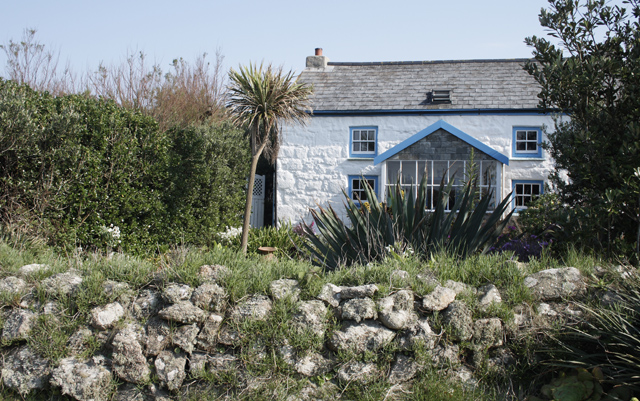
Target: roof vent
x=439, y=96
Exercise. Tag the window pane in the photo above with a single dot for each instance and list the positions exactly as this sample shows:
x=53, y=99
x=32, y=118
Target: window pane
x=535, y=189
x=521, y=135
x=421, y=167
x=372, y=184
x=489, y=173
x=436, y=197
x=392, y=172
x=532, y=135
x=492, y=193
x=527, y=189
x=456, y=172
x=521, y=146
x=532, y=146
x=372, y=135
x=439, y=171
x=452, y=199
x=408, y=172
x=355, y=185
x=371, y=146
x=518, y=189
x=355, y=134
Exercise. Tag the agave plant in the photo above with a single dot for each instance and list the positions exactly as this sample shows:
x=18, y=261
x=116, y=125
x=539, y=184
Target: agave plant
x=375, y=231
x=608, y=339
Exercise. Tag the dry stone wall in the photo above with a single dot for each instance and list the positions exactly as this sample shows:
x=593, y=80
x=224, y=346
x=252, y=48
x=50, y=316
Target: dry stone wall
x=152, y=343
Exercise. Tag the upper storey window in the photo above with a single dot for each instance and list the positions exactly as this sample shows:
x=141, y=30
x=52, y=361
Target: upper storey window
x=363, y=142
x=526, y=142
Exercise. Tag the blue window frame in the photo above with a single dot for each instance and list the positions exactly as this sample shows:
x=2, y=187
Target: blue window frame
x=363, y=142
x=524, y=191
x=527, y=141
x=357, y=184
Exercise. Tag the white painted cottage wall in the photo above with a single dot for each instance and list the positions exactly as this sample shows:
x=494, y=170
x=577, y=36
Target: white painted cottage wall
x=314, y=164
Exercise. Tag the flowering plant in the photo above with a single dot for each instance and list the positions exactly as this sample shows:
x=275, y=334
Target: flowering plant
x=227, y=237
x=110, y=236
x=524, y=246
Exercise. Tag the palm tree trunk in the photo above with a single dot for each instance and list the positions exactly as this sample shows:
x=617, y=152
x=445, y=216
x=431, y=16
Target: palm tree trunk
x=247, y=209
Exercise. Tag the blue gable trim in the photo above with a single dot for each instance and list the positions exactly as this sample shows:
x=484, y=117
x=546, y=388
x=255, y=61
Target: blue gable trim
x=450, y=129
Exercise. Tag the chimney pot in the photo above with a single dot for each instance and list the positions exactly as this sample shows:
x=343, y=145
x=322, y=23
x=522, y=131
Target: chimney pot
x=317, y=61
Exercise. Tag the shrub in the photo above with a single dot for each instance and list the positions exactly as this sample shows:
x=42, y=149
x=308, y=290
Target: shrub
x=74, y=164
x=71, y=165
x=609, y=339
x=380, y=229
x=570, y=226
x=524, y=246
x=207, y=170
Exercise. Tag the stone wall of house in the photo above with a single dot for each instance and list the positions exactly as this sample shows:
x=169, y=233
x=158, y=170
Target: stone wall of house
x=314, y=164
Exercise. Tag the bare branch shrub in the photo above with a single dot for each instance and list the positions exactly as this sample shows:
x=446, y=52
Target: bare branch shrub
x=28, y=62
x=189, y=93
x=131, y=84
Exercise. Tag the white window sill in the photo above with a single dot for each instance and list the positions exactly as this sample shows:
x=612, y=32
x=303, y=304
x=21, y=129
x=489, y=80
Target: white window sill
x=523, y=159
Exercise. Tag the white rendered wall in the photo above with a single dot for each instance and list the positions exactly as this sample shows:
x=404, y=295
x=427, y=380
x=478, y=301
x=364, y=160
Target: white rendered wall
x=314, y=164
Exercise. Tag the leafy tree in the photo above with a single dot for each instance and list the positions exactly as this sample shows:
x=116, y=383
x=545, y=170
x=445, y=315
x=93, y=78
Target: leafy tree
x=261, y=99
x=593, y=74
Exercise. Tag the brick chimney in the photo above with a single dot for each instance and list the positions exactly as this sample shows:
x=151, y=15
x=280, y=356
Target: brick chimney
x=317, y=61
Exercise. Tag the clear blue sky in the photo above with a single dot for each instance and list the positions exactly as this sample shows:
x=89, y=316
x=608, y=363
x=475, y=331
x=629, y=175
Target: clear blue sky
x=282, y=32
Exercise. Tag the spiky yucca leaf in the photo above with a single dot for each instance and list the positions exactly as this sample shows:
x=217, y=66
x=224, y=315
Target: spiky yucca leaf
x=374, y=232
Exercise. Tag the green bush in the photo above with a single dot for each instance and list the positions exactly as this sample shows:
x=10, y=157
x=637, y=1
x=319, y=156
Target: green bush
x=74, y=168
x=207, y=170
x=570, y=226
x=75, y=164
x=609, y=339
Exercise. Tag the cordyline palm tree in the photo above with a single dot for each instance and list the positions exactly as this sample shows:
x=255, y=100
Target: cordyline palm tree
x=262, y=99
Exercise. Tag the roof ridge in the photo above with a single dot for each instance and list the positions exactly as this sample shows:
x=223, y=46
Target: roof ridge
x=382, y=63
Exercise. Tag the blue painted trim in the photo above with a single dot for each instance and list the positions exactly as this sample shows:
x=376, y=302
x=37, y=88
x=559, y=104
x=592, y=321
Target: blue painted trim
x=513, y=190
x=376, y=186
x=450, y=129
x=362, y=155
x=515, y=153
x=437, y=112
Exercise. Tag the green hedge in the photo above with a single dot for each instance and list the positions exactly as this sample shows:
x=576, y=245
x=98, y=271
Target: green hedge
x=72, y=166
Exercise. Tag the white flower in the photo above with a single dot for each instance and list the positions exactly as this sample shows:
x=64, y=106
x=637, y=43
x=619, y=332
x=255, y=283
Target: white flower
x=230, y=233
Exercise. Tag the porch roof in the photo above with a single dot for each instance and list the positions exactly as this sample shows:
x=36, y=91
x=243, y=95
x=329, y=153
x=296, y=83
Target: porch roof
x=450, y=129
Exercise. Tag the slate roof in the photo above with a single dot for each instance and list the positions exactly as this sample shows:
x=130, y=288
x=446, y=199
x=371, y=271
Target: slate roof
x=395, y=86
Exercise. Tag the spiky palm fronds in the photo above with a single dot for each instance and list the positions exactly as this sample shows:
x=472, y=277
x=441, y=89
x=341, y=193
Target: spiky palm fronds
x=262, y=99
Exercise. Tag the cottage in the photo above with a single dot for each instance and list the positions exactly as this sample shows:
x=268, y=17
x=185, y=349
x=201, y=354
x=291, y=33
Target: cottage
x=388, y=122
